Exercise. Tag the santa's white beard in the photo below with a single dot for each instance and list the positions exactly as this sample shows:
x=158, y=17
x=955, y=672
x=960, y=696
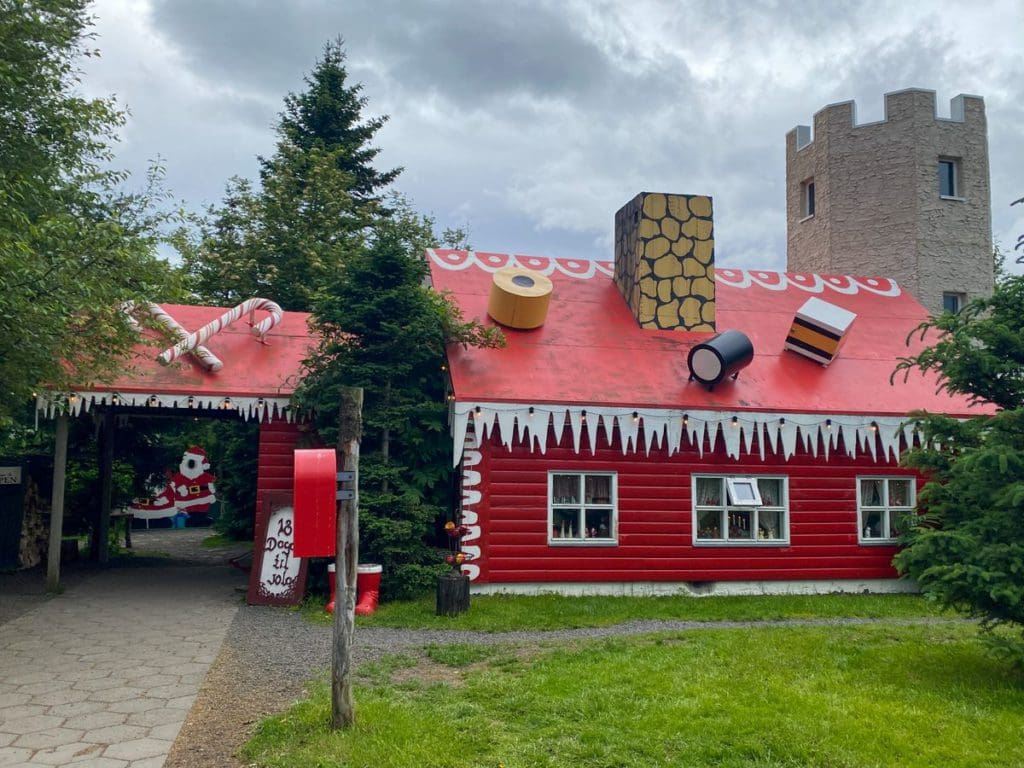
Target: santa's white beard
x=192, y=472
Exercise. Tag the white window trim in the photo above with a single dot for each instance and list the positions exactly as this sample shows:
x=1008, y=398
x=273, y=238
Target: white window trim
x=695, y=508
x=885, y=509
x=613, y=539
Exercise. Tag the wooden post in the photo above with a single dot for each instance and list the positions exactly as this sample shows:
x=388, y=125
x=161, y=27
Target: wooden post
x=346, y=559
x=452, y=594
x=101, y=534
x=60, y=463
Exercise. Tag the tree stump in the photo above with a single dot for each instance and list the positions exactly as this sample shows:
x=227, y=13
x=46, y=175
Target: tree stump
x=452, y=594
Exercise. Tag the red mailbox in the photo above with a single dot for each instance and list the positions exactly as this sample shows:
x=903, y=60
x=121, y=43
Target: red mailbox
x=316, y=473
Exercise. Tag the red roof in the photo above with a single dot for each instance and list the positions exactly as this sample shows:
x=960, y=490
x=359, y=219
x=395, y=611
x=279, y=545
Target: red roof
x=251, y=369
x=591, y=350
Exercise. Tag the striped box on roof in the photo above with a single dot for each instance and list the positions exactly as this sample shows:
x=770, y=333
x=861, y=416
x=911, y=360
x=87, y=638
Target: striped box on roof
x=819, y=330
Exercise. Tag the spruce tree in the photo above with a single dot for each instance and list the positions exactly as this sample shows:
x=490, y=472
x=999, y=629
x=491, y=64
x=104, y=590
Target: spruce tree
x=382, y=329
x=318, y=197
x=328, y=116
x=965, y=547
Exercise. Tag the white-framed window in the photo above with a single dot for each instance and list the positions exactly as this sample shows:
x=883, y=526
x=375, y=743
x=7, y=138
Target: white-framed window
x=727, y=511
x=882, y=503
x=582, y=508
x=953, y=302
x=949, y=177
x=807, y=203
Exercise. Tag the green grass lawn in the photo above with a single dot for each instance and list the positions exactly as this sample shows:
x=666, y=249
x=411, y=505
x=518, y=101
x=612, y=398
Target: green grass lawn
x=218, y=540
x=504, y=613
x=828, y=697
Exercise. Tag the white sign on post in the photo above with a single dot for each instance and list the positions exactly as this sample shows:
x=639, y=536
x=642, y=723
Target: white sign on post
x=10, y=475
x=280, y=568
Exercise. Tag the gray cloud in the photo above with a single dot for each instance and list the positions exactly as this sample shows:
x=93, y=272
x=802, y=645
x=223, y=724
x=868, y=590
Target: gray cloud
x=533, y=121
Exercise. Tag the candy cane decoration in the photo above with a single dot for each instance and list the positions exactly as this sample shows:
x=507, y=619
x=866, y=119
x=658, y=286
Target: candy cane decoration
x=192, y=341
x=206, y=358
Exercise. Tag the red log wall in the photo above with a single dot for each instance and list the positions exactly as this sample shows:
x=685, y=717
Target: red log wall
x=276, y=457
x=655, y=521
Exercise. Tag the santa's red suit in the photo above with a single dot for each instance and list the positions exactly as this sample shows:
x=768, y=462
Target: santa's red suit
x=193, y=483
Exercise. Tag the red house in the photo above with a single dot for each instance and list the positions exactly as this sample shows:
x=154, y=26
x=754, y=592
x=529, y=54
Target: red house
x=593, y=461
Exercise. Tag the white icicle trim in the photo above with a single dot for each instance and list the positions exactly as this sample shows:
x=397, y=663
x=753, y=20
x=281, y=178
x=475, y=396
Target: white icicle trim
x=75, y=403
x=781, y=432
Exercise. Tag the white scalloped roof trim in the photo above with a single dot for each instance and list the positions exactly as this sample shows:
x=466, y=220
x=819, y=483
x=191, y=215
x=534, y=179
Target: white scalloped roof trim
x=811, y=283
x=582, y=269
x=666, y=427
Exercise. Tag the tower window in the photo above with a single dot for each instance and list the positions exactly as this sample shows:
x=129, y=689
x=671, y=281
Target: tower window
x=953, y=302
x=949, y=177
x=807, y=198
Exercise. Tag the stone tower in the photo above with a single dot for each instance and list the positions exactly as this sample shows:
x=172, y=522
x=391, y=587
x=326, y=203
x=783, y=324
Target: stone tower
x=906, y=197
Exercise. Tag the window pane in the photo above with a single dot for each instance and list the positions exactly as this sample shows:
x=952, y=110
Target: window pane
x=709, y=524
x=565, y=489
x=951, y=302
x=771, y=492
x=599, y=523
x=871, y=524
x=947, y=178
x=769, y=524
x=599, y=489
x=565, y=524
x=810, y=199
x=896, y=523
x=709, y=491
x=899, y=493
x=871, y=494
x=742, y=491
x=740, y=526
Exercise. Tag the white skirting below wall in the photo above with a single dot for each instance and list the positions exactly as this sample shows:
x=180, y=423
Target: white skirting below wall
x=702, y=589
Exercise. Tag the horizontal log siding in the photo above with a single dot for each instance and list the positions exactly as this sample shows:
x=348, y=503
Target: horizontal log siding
x=276, y=456
x=655, y=517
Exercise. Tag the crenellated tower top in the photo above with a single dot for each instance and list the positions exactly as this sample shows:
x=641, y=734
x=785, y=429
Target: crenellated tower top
x=905, y=197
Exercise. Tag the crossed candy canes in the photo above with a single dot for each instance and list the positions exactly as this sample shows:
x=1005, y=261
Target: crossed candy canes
x=192, y=342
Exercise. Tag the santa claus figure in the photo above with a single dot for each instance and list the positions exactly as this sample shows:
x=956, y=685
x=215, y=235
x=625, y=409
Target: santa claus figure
x=159, y=505
x=193, y=483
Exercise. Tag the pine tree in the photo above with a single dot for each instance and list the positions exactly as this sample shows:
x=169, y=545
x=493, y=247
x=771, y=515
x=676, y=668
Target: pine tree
x=966, y=546
x=319, y=195
x=327, y=116
x=382, y=329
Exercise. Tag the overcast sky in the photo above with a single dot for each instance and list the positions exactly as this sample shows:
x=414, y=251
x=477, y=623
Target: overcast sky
x=531, y=122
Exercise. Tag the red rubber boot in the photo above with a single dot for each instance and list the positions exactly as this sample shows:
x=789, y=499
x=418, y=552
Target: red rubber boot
x=367, y=588
x=331, y=581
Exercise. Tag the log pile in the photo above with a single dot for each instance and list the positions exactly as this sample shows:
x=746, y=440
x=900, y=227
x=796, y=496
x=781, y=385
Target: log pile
x=34, y=530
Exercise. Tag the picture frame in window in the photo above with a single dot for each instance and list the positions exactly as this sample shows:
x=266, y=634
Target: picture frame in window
x=743, y=491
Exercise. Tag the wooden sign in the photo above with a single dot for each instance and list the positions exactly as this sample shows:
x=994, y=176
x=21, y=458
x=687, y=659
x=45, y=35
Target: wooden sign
x=278, y=577
x=10, y=475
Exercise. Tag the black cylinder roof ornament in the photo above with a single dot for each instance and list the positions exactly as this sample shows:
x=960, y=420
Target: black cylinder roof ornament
x=720, y=356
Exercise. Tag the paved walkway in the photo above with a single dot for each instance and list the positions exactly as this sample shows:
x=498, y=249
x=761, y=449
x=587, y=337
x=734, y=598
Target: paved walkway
x=103, y=675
